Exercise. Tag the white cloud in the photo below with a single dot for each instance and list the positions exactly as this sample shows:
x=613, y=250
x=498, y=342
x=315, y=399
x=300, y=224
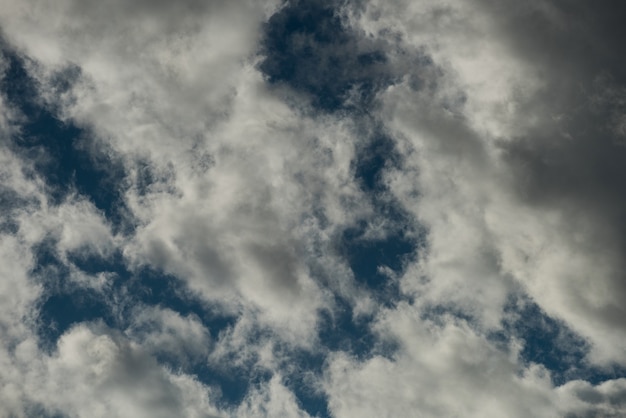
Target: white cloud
x=272, y=399
x=165, y=332
x=463, y=39
x=448, y=369
x=240, y=181
x=95, y=373
x=239, y=170
x=582, y=399
x=241, y=190
x=240, y=229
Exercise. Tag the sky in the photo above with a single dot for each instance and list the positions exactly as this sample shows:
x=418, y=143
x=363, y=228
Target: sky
x=312, y=208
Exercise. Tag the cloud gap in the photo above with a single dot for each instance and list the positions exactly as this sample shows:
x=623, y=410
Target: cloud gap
x=63, y=154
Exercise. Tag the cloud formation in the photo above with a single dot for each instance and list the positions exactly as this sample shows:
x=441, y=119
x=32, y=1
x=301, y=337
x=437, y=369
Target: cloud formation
x=327, y=209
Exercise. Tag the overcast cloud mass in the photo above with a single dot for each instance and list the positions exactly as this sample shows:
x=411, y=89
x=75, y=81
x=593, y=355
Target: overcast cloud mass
x=358, y=208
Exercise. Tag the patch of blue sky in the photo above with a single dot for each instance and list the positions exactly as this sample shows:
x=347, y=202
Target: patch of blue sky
x=66, y=303
x=551, y=343
x=152, y=288
x=307, y=47
x=545, y=340
x=234, y=376
x=371, y=258
x=378, y=154
x=341, y=330
x=302, y=371
x=62, y=303
x=61, y=152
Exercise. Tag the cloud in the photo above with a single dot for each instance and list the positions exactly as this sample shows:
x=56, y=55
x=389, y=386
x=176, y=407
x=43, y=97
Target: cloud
x=447, y=368
x=167, y=333
x=526, y=160
x=223, y=151
x=101, y=374
x=300, y=209
x=271, y=400
x=440, y=370
x=225, y=186
x=581, y=399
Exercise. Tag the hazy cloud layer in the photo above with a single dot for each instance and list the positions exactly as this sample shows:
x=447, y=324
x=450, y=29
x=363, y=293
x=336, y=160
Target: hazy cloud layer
x=342, y=209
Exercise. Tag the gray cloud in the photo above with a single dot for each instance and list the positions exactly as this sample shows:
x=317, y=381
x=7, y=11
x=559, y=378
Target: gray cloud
x=527, y=165
x=571, y=159
x=509, y=122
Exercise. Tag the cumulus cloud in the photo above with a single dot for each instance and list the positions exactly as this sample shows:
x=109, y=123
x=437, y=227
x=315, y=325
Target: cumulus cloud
x=446, y=368
x=222, y=179
x=526, y=160
x=311, y=208
x=440, y=370
x=101, y=374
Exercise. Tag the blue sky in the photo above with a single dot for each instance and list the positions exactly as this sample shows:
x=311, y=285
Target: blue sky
x=312, y=209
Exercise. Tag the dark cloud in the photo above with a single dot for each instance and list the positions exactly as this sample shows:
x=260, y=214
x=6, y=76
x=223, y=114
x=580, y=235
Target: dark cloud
x=575, y=151
x=279, y=264
x=573, y=159
x=573, y=39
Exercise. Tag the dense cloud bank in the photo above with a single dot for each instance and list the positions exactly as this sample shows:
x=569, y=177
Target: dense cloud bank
x=312, y=208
